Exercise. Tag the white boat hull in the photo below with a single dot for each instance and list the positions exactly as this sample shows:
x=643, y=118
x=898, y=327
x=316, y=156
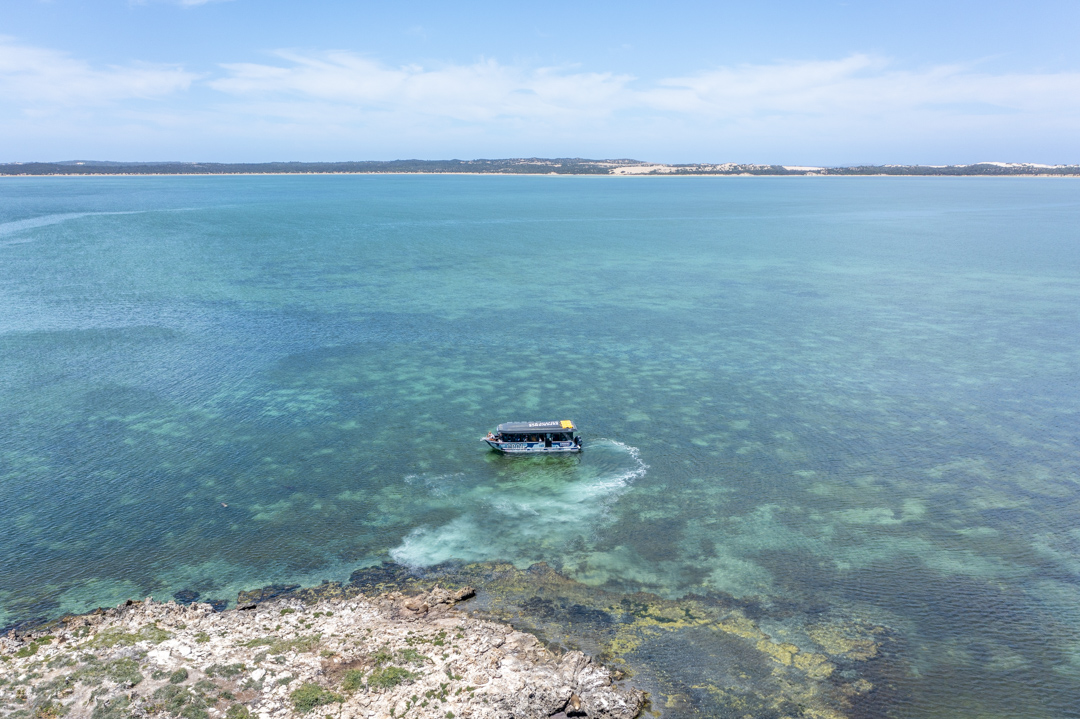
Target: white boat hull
x=532, y=447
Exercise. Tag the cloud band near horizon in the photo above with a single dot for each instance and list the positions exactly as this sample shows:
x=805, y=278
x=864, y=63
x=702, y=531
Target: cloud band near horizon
x=342, y=96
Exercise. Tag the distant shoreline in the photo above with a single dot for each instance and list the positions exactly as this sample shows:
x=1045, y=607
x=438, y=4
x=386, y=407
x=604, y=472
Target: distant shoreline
x=507, y=174
x=525, y=166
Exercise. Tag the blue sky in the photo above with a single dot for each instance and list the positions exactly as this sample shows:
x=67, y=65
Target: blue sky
x=768, y=81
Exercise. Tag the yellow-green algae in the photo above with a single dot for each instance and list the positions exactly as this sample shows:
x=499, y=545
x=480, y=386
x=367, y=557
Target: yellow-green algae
x=699, y=656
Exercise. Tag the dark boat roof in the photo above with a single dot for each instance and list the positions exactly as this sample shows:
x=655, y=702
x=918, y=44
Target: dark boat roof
x=534, y=427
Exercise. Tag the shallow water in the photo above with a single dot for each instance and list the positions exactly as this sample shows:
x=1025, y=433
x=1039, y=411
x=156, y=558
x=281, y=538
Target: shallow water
x=859, y=394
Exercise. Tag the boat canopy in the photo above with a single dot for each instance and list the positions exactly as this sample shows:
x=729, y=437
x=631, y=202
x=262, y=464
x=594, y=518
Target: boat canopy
x=536, y=427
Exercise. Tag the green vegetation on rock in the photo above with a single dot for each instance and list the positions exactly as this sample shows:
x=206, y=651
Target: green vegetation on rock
x=225, y=670
x=260, y=642
x=114, y=637
x=48, y=709
x=411, y=656
x=64, y=660
x=353, y=680
x=28, y=651
x=121, y=671
x=310, y=695
x=205, y=687
x=113, y=709
x=178, y=700
x=387, y=677
x=238, y=711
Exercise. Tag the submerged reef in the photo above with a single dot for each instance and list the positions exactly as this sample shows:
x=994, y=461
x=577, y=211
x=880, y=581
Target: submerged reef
x=394, y=641
x=698, y=656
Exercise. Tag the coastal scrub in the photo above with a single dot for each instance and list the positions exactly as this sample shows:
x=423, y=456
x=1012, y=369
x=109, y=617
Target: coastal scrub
x=311, y=695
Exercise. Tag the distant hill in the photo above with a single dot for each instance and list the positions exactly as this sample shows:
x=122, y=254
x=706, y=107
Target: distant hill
x=517, y=166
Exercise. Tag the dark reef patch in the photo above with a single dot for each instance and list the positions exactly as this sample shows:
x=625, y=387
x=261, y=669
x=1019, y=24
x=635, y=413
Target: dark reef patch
x=266, y=593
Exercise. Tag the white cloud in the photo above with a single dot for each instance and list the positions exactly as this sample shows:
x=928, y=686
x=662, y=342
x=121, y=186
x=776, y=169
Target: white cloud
x=479, y=92
x=861, y=86
x=340, y=103
x=858, y=86
x=33, y=77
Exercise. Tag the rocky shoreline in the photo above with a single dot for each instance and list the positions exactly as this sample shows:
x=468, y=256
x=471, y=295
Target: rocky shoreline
x=386, y=656
x=396, y=639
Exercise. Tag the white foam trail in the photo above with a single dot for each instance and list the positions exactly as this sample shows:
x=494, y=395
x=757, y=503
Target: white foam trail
x=525, y=521
x=10, y=228
x=634, y=453
x=439, y=485
x=7, y=228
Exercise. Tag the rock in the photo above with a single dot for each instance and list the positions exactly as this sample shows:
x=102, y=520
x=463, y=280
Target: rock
x=571, y=665
x=416, y=604
x=159, y=656
x=265, y=594
x=479, y=669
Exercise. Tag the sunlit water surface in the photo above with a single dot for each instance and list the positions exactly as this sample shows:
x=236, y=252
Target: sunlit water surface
x=853, y=393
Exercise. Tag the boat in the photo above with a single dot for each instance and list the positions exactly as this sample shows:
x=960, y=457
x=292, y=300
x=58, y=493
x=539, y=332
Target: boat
x=534, y=437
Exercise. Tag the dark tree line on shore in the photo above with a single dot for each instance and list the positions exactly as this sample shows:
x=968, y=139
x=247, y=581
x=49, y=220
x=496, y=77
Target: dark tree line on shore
x=533, y=166
x=521, y=166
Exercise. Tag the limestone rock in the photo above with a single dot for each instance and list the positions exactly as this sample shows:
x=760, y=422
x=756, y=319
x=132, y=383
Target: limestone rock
x=352, y=657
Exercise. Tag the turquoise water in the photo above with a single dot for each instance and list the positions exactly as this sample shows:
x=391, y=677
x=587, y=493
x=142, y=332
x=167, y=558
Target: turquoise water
x=855, y=394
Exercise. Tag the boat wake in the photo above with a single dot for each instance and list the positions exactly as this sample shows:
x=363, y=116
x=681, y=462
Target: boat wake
x=8, y=228
x=528, y=512
x=639, y=470
x=30, y=223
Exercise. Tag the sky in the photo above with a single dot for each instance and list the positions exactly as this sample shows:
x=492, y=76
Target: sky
x=763, y=81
